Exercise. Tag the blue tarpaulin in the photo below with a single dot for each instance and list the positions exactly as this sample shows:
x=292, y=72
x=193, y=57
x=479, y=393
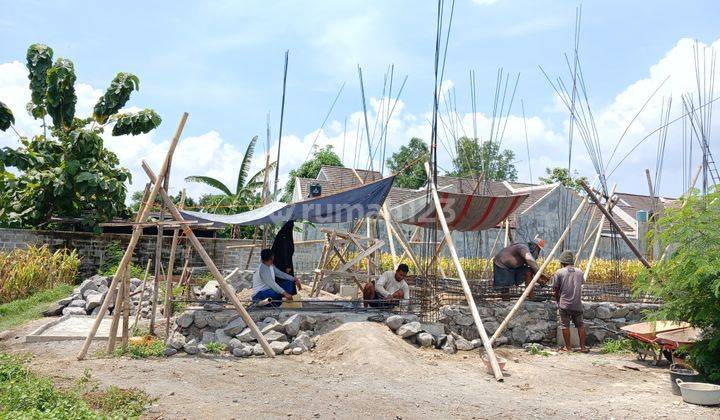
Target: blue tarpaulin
x=363, y=201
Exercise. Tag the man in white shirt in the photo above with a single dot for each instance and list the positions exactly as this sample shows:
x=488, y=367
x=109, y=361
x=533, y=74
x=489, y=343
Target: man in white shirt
x=388, y=290
x=269, y=282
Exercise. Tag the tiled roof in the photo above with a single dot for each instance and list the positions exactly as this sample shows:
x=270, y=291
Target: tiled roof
x=345, y=176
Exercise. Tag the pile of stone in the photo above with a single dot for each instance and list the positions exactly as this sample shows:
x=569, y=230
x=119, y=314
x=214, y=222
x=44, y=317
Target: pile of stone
x=87, y=298
x=197, y=328
x=429, y=335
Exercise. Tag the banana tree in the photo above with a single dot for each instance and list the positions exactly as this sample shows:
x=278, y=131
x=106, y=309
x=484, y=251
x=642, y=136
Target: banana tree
x=244, y=197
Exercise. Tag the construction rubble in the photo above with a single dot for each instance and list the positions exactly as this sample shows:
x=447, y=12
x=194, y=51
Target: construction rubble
x=87, y=298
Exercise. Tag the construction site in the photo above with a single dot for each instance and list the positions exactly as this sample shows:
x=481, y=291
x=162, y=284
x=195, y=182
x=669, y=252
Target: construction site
x=357, y=293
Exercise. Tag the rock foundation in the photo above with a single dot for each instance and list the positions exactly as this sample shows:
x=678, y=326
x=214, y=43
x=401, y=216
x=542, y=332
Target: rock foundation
x=291, y=333
x=537, y=322
x=287, y=333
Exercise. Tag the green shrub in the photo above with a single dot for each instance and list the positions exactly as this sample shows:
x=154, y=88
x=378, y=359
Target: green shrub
x=24, y=395
x=147, y=346
x=114, y=252
x=24, y=272
x=688, y=280
x=118, y=402
x=215, y=347
x=534, y=349
x=620, y=345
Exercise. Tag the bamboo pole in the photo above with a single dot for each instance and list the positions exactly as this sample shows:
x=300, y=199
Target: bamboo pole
x=612, y=221
x=171, y=268
x=126, y=312
x=320, y=266
x=466, y=287
x=539, y=273
x=507, y=233
x=404, y=245
x=391, y=241
x=112, y=335
x=142, y=294
x=308, y=242
x=227, y=290
x=143, y=213
x=598, y=235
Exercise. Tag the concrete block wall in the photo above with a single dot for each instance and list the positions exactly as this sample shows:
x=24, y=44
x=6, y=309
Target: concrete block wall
x=91, y=248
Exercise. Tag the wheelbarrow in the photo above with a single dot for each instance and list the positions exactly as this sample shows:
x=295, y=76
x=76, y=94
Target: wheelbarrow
x=647, y=341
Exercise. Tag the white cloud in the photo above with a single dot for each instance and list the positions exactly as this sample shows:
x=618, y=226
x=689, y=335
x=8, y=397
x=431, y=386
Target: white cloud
x=210, y=154
x=485, y=2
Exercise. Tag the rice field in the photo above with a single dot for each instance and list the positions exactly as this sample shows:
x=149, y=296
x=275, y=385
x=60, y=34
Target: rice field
x=602, y=271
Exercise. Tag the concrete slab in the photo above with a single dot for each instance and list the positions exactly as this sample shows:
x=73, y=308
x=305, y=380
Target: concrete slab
x=70, y=327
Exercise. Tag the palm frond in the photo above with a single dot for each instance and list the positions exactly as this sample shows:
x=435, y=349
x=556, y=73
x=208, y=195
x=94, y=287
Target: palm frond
x=260, y=175
x=245, y=166
x=207, y=180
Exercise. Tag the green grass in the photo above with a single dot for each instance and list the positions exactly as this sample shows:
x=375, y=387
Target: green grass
x=620, y=345
x=23, y=394
x=151, y=347
x=20, y=311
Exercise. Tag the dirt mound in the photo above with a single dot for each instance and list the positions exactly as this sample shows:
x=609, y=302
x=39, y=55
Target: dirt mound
x=366, y=343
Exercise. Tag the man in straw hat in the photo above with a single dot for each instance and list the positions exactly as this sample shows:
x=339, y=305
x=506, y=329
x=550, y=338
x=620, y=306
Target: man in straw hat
x=515, y=265
x=567, y=289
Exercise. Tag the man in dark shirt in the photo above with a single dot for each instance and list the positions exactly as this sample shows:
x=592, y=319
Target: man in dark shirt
x=515, y=264
x=567, y=289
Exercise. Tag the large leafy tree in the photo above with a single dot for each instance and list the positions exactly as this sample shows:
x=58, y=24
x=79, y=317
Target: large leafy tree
x=413, y=176
x=66, y=171
x=324, y=156
x=561, y=175
x=246, y=194
x=483, y=158
x=688, y=279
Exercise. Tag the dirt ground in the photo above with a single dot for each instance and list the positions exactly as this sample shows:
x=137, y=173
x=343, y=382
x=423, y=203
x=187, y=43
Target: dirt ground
x=362, y=370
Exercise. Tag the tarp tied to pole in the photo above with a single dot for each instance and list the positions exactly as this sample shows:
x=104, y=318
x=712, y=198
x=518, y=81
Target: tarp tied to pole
x=467, y=212
x=345, y=206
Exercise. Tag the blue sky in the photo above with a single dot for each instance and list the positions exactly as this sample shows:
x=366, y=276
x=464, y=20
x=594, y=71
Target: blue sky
x=222, y=62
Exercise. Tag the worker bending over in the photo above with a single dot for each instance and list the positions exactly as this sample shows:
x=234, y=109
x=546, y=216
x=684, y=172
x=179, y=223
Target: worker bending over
x=388, y=290
x=515, y=264
x=269, y=282
x=567, y=289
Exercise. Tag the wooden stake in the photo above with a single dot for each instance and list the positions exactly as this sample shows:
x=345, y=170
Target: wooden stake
x=539, y=273
x=507, y=232
x=321, y=264
x=112, y=336
x=385, y=213
x=404, y=244
x=142, y=294
x=225, y=287
x=466, y=287
x=126, y=311
x=171, y=268
x=143, y=214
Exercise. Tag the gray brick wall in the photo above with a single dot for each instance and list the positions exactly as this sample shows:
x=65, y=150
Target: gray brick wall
x=91, y=248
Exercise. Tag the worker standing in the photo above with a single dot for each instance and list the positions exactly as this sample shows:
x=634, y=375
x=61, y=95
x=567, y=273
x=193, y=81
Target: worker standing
x=567, y=289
